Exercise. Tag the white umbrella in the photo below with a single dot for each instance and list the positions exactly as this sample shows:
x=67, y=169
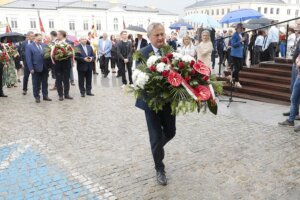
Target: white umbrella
x=204, y=20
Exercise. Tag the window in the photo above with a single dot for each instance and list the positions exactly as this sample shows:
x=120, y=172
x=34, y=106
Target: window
x=277, y=11
x=289, y=11
x=116, y=24
x=85, y=25
x=206, y=12
x=296, y=13
x=212, y=12
x=218, y=12
x=14, y=23
x=223, y=11
x=228, y=10
x=272, y=11
x=32, y=23
x=72, y=25
x=297, y=2
x=259, y=9
x=98, y=25
x=266, y=11
x=51, y=23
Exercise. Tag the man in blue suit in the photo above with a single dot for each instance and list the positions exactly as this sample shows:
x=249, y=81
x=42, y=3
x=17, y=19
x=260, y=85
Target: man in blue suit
x=22, y=49
x=104, y=49
x=85, y=59
x=161, y=125
x=35, y=62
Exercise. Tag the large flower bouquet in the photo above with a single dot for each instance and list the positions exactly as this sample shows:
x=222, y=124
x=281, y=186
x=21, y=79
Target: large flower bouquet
x=59, y=52
x=4, y=57
x=181, y=81
x=11, y=50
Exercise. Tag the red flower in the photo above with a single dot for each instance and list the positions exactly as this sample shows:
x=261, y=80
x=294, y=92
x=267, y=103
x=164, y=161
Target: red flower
x=192, y=63
x=201, y=68
x=181, y=65
x=165, y=74
x=174, y=79
x=164, y=60
x=193, y=71
x=205, y=78
x=203, y=92
x=169, y=55
x=153, y=68
x=187, y=79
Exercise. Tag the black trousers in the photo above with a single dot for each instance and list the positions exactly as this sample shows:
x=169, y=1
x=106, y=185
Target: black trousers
x=62, y=73
x=1, y=76
x=162, y=128
x=257, y=54
x=25, y=77
x=40, y=80
x=237, y=67
x=113, y=62
x=104, y=64
x=122, y=69
x=85, y=81
x=272, y=50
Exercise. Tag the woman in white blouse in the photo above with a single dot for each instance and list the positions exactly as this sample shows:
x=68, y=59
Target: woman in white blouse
x=205, y=48
x=258, y=45
x=291, y=42
x=187, y=47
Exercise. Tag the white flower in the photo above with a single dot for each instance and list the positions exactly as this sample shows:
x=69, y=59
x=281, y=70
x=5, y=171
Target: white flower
x=167, y=67
x=160, y=67
x=152, y=59
x=187, y=58
x=177, y=56
x=139, y=79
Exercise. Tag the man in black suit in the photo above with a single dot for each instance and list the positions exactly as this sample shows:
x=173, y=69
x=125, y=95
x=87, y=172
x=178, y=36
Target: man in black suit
x=62, y=71
x=140, y=42
x=1, y=75
x=22, y=50
x=85, y=59
x=161, y=125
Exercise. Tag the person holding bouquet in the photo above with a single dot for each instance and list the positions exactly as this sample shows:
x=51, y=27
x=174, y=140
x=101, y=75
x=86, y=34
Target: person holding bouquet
x=62, y=70
x=2, y=64
x=85, y=59
x=162, y=124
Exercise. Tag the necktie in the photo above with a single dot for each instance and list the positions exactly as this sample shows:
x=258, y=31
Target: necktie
x=265, y=41
x=159, y=52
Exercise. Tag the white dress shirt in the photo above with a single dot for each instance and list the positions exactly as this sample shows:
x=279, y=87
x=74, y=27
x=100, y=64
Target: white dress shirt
x=273, y=34
x=259, y=41
x=156, y=50
x=84, y=49
x=103, y=45
x=139, y=44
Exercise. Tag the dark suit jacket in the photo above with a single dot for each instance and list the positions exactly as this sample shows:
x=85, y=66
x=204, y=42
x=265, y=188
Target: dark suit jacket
x=79, y=57
x=297, y=52
x=22, y=49
x=35, y=57
x=139, y=102
x=144, y=43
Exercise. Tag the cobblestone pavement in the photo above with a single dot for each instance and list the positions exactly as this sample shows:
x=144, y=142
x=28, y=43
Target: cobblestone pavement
x=98, y=148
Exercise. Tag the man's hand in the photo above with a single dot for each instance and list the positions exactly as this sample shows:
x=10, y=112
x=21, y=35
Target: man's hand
x=32, y=71
x=125, y=60
x=86, y=59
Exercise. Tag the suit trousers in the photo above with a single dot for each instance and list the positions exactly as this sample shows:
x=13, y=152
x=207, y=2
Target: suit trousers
x=122, y=69
x=1, y=76
x=25, y=77
x=162, y=128
x=62, y=73
x=85, y=81
x=40, y=80
x=237, y=67
x=104, y=64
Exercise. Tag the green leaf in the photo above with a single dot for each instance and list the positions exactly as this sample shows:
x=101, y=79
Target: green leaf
x=213, y=107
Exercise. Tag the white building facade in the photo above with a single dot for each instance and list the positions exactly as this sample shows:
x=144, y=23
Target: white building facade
x=78, y=17
x=273, y=9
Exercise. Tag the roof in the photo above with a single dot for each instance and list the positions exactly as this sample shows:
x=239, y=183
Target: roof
x=202, y=3
x=98, y=5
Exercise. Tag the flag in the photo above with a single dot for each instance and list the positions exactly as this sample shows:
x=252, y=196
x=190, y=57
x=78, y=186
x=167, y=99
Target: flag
x=8, y=28
x=124, y=26
x=41, y=23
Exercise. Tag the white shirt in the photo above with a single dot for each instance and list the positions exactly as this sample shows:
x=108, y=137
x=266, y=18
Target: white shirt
x=259, y=41
x=103, y=45
x=84, y=49
x=156, y=52
x=188, y=50
x=273, y=34
x=291, y=40
x=139, y=44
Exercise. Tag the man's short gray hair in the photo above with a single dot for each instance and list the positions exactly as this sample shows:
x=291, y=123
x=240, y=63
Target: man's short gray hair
x=153, y=26
x=29, y=33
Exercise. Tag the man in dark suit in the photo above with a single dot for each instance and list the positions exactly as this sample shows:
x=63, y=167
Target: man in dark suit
x=22, y=49
x=161, y=125
x=140, y=42
x=1, y=75
x=35, y=63
x=62, y=71
x=85, y=59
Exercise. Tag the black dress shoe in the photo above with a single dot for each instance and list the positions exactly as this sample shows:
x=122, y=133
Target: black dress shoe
x=61, y=98
x=72, y=83
x=288, y=114
x=161, y=178
x=3, y=95
x=90, y=94
x=68, y=97
x=24, y=92
x=47, y=99
x=37, y=100
x=82, y=95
